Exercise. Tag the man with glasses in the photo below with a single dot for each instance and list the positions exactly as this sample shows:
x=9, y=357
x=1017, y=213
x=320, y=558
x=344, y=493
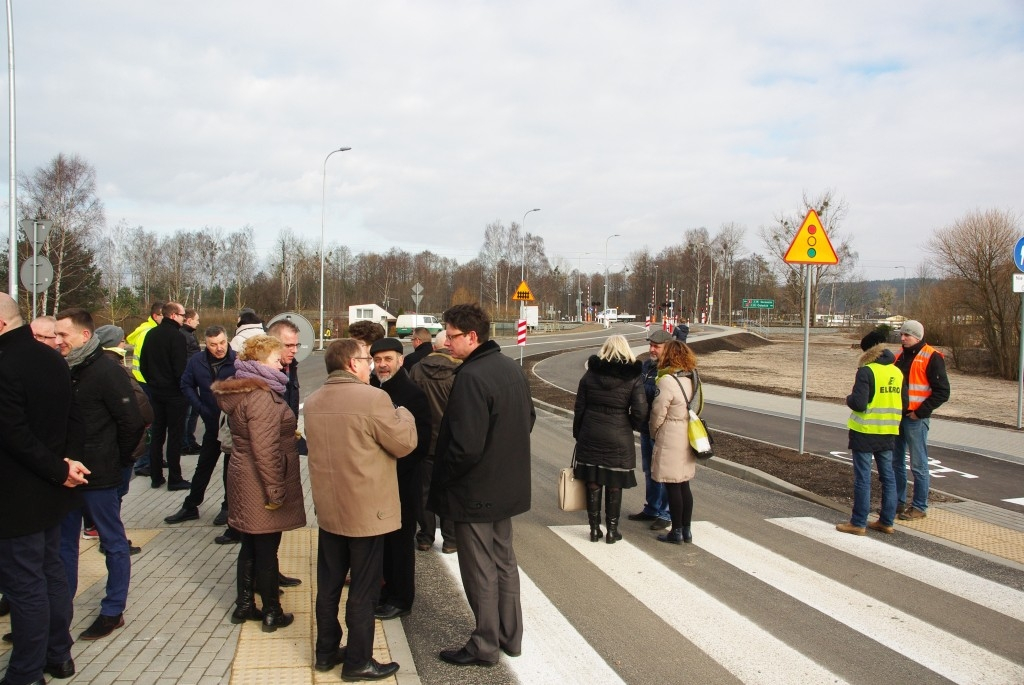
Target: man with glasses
x=925, y=389
x=162, y=366
x=482, y=479
x=43, y=330
x=355, y=436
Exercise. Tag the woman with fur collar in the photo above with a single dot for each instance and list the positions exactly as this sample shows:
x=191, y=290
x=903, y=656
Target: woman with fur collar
x=610, y=405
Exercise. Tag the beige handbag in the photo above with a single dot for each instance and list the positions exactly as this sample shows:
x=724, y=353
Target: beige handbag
x=572, y=493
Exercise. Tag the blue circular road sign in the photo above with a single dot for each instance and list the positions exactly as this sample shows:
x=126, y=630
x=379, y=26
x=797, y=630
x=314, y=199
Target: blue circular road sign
x=1018, y=254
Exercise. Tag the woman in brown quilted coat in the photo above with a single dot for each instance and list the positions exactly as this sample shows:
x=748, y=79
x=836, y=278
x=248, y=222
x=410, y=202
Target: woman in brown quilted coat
x=264, y=487
x=673, y=462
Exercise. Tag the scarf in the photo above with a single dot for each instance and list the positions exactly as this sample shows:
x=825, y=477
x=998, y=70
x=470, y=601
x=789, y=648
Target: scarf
x=80, y=354
x=250, y=368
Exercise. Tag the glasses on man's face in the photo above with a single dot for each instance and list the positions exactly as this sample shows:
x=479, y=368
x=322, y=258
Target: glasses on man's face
x=453, y=336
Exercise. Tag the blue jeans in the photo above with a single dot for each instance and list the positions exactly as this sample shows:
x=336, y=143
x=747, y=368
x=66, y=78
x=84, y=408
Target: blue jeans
x=33, y=580
x=143, y=461
x=191, y=421
x=862, y=487
x=105, y=508
x=657, y=497
x=913, y=437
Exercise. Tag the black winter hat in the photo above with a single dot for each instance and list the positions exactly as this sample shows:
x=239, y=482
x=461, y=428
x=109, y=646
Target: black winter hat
x=871, y=339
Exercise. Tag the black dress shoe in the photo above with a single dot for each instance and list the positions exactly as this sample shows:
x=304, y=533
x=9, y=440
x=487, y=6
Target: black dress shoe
x=8, y=638
x=102, y=626
x=326, y=663
x=386, y=612
x=5, y=606
x=661, y=524
x=371, y=670
x=641, y=517
x=285, y=581
x=179, y=485
x=460, y=657
x=157, y=483
x=221, y=519
x=182, y=515
x=62, y=670
x=228, y=538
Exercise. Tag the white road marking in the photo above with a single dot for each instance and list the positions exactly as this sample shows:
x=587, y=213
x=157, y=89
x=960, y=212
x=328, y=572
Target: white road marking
x=1019, y=501
x=553, y=651
x=946, y=654
x=981, y=591
x=742, y=647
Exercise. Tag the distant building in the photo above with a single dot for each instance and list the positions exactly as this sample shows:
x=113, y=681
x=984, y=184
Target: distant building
x=370, y=312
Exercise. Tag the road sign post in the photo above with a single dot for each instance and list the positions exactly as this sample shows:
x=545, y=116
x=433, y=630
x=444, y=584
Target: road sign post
x=1018, y=287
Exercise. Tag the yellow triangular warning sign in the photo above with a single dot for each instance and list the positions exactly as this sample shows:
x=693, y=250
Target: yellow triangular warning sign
x=811, y=245
x=523, y=293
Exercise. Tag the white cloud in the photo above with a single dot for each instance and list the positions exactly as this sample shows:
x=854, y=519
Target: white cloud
x=637, y=118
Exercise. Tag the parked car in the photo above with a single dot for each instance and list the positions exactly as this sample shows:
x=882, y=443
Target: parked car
x=407, y=323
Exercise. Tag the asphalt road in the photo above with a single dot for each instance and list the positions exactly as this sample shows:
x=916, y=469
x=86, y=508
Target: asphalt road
x=768, y=592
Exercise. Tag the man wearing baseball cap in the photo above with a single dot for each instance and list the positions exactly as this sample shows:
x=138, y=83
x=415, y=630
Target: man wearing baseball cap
x=656, y=506
x=925, y=389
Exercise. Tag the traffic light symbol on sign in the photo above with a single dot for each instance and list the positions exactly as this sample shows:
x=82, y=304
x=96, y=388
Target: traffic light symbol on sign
x=811, y=245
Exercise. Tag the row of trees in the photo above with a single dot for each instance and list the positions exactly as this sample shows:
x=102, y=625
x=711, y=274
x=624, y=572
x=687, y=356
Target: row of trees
x=120, y=268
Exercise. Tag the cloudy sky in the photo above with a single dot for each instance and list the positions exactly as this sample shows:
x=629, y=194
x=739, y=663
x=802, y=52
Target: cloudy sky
x=638, y=118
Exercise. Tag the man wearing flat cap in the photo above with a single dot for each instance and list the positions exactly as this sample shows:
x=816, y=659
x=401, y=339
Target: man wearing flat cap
x=656, y=505
x=925, y=390
x=876, y=407
x=396, y=597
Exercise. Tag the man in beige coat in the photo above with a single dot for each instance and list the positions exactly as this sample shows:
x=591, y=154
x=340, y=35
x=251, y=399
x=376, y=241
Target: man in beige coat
x=355, y=436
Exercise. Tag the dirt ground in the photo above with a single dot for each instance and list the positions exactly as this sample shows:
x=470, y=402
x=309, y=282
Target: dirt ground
x=776, y=366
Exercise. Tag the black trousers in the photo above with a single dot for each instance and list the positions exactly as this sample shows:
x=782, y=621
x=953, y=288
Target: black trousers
x=400, y=548
x=169, y=426
x=209, y=454
x=337, y=555
x=261, y=550
x=426, y=518
x=490, y=575
x=33, y=579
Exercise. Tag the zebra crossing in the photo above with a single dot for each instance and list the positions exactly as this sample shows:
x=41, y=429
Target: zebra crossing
x=751, y=651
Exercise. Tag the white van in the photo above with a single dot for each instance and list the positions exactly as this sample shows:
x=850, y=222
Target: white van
x=407, y=323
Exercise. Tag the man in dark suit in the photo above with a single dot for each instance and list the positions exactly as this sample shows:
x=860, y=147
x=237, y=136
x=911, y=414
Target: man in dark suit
x=162, y=366
x=482, y=479
x=35, y=402
x=398, y=593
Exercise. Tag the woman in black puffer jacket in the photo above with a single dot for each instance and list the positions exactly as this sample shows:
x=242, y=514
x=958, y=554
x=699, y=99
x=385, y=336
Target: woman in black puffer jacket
x=610, y=405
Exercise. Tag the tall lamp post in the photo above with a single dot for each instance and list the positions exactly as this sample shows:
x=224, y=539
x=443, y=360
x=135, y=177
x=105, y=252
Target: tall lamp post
x=522, y=272
x=904, y=289
x=579, y=288
x=614, y=235
x=323, y=223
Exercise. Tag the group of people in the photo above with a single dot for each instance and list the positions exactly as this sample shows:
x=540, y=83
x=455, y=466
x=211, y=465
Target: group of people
x=891, y=403
x=618, y=395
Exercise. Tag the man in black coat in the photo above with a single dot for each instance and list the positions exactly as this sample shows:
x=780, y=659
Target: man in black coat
x=162, y=365
x=482, y=479
x=398, y=593
x=421, y=347
x=188, y=331
x=35, y=482
x=104, y=428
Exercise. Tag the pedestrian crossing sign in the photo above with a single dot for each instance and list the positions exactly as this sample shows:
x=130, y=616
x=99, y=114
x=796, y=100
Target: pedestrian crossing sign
x=811, y=245
x=522, y=293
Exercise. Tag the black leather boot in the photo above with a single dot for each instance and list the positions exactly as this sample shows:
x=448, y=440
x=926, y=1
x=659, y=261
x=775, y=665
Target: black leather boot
x=245, y=605
x=674, y=536
x=594, y=513
x=687, y=535
x=613, y=506
x=270, y=592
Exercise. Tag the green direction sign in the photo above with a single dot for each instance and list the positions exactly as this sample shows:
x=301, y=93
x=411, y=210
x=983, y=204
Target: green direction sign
x=758, y=304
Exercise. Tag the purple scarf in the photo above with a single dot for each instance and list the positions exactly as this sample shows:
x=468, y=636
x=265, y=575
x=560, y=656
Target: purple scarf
x=249, y=368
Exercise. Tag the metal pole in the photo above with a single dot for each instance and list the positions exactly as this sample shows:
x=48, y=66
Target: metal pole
x=1020, y=367
x=323, y=222
x=614, y=235
x=12, y=246
x=35, y=275
x=807, y=340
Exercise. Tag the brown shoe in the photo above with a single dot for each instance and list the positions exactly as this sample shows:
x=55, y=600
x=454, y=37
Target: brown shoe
x=851, y=529
x=911, y=514
x=881, y=528
x=901, y=507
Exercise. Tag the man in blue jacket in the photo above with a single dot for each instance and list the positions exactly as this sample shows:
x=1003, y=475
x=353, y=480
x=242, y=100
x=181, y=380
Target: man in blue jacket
x=216, y=363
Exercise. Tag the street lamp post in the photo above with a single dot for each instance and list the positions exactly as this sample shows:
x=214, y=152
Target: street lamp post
x=579, y=288
x=323, y=223
x=522, y=272
x=904, y=289
x=614, y=235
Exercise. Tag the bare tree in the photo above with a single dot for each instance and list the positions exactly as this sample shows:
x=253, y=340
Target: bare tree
x=779, y=236
x=729, y=240
x=240, y=260
x=64, y=191
x=143, y=260
x=976, y=253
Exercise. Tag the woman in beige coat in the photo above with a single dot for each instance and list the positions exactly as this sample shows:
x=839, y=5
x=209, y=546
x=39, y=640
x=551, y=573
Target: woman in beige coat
x=673, y=462
x=264, y=486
